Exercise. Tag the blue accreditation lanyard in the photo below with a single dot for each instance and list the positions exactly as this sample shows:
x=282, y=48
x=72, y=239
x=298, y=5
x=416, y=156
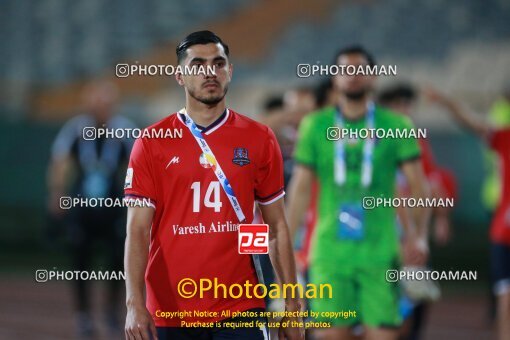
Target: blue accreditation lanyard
x=209, y=156
x=107, y=160
x=98, y=166
x=368, y=150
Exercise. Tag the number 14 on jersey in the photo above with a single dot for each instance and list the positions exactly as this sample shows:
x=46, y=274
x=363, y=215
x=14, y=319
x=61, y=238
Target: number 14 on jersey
x=211, y=198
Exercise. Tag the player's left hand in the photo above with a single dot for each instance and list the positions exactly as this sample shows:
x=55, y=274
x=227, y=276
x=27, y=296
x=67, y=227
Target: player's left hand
x=291, y=333
x=434, y=96
x=286, y=331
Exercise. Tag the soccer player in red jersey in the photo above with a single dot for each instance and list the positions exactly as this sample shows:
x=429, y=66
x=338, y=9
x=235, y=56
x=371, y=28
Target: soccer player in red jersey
x=200, y=187
x=499, y=141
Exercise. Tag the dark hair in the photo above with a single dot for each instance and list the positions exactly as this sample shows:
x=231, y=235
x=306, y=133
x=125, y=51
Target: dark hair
x=273, y=103
x=198, y=38
x=400, y=91
x=355, y=49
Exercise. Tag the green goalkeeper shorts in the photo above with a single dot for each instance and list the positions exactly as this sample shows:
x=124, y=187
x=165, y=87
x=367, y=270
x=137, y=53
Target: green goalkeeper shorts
x=361, y=294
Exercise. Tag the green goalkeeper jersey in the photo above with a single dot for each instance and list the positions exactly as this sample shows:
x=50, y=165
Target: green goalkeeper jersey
x=379, y=244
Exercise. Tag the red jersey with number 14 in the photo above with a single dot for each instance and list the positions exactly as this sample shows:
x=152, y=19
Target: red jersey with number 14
x=194, y=228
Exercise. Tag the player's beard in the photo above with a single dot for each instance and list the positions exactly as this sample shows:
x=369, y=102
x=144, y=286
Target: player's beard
x=357, y=95
x=208, y=100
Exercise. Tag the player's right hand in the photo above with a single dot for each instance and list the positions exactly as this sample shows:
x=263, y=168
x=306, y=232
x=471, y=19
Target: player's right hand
x=442, y=230
x=415, y=251
x=139, y=324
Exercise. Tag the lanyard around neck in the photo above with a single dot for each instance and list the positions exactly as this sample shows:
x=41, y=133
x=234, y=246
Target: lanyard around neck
x=222, y=178
x=368, y=150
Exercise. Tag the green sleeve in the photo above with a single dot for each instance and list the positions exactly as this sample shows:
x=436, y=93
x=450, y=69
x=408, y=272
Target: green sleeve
x=407, y=148
x=305, y=152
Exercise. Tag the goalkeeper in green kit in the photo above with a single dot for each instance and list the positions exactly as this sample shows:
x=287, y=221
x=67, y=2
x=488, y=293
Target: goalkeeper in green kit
x=355, y=243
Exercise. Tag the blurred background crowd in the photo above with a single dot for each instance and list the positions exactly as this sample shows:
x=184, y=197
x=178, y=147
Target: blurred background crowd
x=55, y=53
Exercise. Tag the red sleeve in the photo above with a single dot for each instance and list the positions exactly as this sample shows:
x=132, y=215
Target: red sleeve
x=499, y=139
x=139, y=178
x=269, y=173
x=427, y=158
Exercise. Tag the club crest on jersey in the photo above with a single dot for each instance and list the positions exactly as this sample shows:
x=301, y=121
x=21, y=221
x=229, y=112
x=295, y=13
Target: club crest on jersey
x=241, y=156
x=203, y=161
